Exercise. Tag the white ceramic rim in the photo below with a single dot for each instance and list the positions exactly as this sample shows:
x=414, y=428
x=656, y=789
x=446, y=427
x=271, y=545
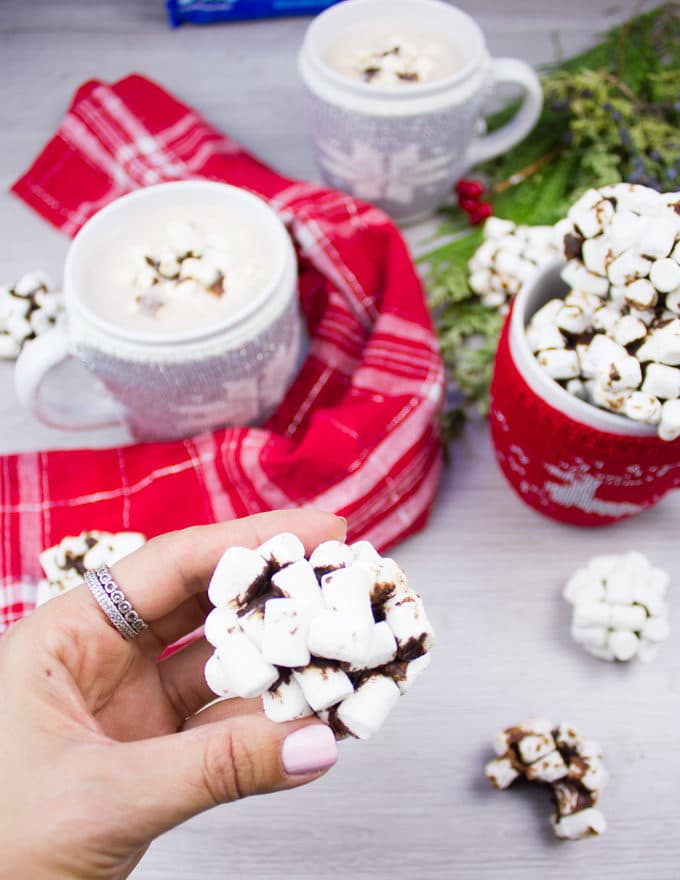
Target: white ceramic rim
x=477, y=53
x=544, y=285
x=93, y=227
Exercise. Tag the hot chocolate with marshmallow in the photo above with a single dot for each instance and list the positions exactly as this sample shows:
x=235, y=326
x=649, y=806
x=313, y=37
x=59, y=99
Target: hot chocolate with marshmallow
x=394, y=54
x=179, y=271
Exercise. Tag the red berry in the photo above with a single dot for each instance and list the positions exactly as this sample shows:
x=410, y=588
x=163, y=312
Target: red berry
x=468, y=205
x=481, y=211
x=469, y=189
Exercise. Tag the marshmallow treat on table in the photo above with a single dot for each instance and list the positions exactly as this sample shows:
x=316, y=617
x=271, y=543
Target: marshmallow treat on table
x=65, y=563
x=340, y=634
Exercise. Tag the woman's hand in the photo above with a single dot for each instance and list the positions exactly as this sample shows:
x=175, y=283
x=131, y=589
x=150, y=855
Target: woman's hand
x=101, y=749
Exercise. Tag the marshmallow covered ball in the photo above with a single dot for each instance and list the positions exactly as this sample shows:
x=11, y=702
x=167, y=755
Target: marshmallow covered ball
x=340, y=635
x=28, y=308
x=554, y=755
x=65, y=564
x=620, y=608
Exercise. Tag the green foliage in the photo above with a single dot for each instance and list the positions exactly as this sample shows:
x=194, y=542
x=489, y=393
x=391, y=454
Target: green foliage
x=611, y=113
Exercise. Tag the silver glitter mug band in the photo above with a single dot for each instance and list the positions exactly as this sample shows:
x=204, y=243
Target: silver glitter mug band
x=113, y=603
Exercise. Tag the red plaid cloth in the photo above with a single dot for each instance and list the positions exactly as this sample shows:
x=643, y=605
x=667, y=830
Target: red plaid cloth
x=357, y=433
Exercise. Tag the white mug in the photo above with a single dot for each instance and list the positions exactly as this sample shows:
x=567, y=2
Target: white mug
x=171, y=385
x=402, y=148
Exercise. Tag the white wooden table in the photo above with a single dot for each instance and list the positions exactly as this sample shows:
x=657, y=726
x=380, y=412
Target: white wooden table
x=413, y=802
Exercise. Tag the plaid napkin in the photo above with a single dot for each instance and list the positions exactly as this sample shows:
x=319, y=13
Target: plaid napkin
x=357, y=433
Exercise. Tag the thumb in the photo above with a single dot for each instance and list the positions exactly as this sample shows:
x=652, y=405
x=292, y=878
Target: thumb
x=174, y=777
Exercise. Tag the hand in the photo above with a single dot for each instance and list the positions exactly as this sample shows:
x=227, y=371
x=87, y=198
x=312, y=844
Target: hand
x=101, y=749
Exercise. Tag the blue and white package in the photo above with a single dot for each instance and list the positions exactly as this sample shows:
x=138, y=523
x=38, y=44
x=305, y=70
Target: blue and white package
x=206, y=11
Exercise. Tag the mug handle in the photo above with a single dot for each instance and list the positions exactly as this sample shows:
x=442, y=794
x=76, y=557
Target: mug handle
x=37, y=360
x=509, y=70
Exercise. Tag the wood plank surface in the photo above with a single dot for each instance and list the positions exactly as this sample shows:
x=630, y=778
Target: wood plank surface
x=412, y=802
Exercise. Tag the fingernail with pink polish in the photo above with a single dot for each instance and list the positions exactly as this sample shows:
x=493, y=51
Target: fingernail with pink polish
x=309, y=750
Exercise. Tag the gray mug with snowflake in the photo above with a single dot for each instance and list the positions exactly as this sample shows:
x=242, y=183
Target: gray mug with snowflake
x=397, y=91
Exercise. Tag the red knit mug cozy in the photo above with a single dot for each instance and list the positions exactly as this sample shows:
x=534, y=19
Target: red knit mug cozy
x=565, y=457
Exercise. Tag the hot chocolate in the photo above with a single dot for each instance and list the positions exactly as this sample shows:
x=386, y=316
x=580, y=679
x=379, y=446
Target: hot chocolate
x=180, y=270
x=393, y=53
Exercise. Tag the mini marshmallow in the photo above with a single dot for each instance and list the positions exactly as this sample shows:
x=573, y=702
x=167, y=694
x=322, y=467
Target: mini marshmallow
x=184, y=238
x=238, y=572
x=619, y=374
x=625, y=231
x=672, y=301
x=662, y=381
x=572, y=319
x=298, y=581
x=627, y=267
x=331, y=555
x=534, y=746
x=323, y=685
x=349, y=590
x=493, y=300
x=285, y=702
x=217, y=677
x=577, y=826
x=596, y=255
x=414, y=670
x=605, y=318
x=282, y=549
x=628, y=329
x=590, y=219
x=389, y=580
x=559, y=363
x=583, y=584
x=658, y=235
x=623, y=644
x=577, y=276
x=545, y=338
x=587, y=302
x=218, y=624
x=364, y=551
x=590, y=636
x=406, y=617
x=496, y=227
x=590, y=613
x=549, y=768
x=501, y=773
x=577, y=388
x=382, y=647
x=364, y=711
x=656, y=629
x=642, y=407
x=244, y=670
x=9, y=347
x=252, y=624
x=662, y=345
x=665, y=275
x=546, y=315
x=341, y=636
x=669, y=426
x=284, y=640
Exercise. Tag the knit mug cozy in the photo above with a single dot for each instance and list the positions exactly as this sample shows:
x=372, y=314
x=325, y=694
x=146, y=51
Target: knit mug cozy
x=564, y=457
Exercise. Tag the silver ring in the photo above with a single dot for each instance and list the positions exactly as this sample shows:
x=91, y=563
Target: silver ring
x=113, y=603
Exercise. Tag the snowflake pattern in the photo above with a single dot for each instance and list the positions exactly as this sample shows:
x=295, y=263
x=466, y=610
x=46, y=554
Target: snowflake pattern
x=371, y=174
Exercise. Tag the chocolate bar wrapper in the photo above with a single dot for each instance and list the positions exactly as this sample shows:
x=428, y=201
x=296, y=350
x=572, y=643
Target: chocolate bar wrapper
x=207, y=11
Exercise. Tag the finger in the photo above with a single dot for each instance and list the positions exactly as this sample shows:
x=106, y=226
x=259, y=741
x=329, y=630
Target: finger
x=174, y=777
x=224, y=710
x=171, y=568
x=183, y=679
